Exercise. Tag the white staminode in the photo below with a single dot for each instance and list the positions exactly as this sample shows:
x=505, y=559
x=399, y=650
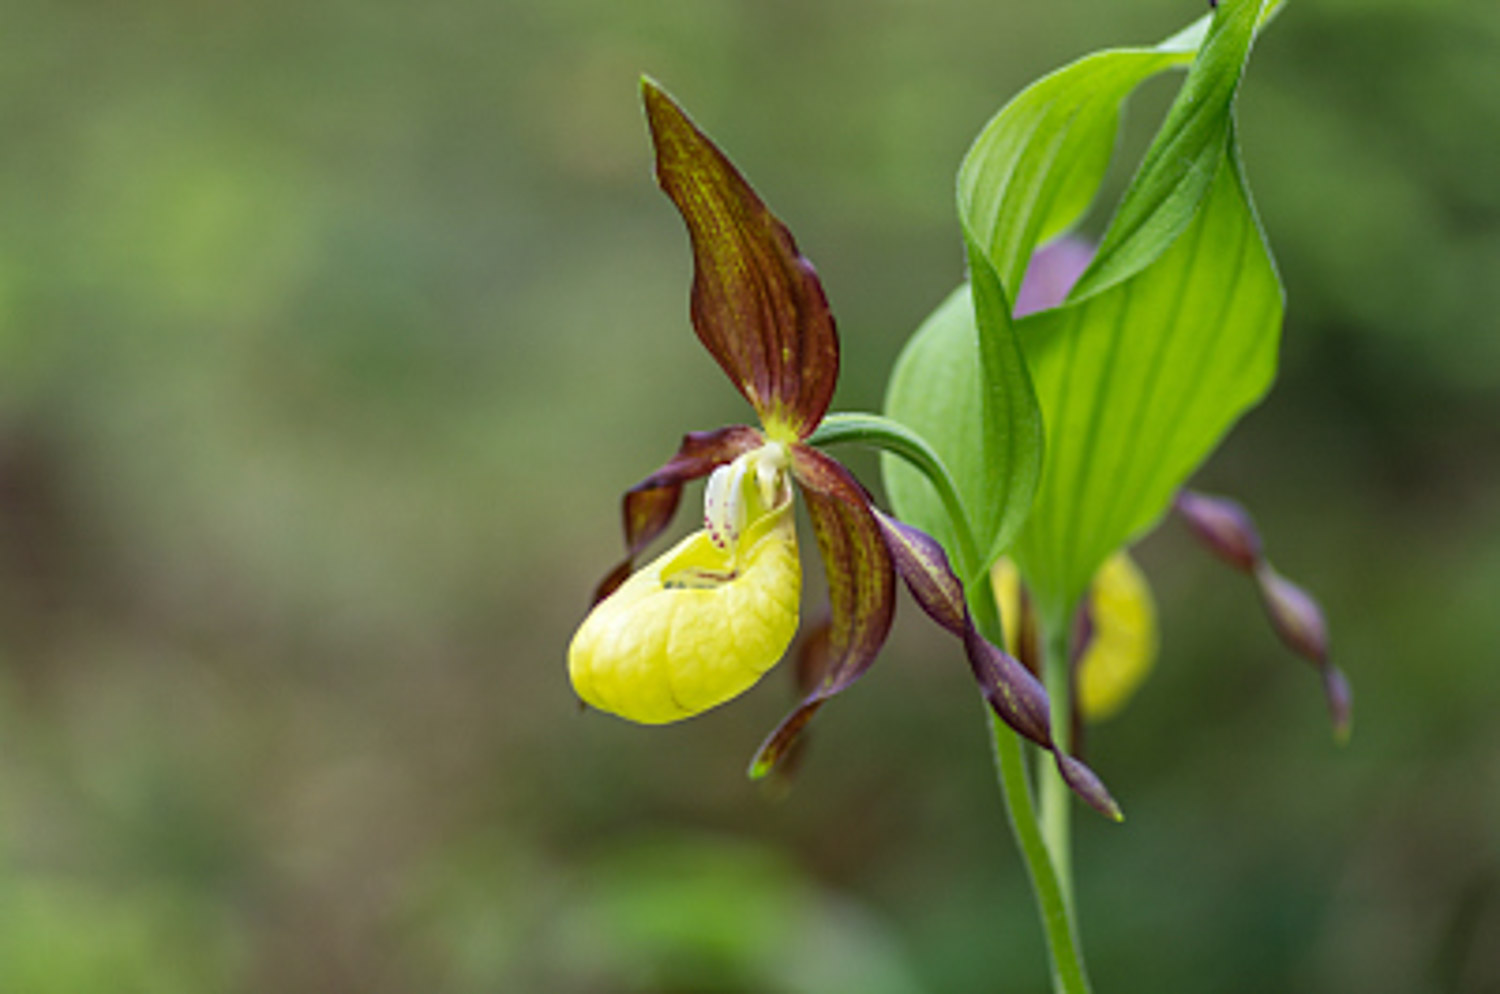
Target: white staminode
x=724, y=503
x=727, y=505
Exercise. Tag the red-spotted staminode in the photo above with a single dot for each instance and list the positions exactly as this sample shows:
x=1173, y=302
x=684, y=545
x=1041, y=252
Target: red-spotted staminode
x=700, y=624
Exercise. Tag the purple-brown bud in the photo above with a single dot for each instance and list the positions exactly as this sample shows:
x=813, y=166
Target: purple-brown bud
x=1224, y=527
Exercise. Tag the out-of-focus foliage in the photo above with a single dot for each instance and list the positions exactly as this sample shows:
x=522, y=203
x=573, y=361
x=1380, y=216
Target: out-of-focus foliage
x=330, y=333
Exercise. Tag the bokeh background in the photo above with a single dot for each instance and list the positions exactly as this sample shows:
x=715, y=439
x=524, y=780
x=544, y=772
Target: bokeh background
x=329, y=335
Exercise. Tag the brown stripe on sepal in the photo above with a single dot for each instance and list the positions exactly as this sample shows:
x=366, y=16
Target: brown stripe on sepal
x=757, y=304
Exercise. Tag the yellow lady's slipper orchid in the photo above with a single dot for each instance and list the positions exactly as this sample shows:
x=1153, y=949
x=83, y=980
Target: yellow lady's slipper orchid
x=701, y=623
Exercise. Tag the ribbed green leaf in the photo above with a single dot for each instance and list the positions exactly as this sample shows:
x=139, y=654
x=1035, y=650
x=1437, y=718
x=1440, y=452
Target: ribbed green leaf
x=978, y=411
x=1031, y=173
x=935, y=389
x=1169, y=336
x=1140, y=382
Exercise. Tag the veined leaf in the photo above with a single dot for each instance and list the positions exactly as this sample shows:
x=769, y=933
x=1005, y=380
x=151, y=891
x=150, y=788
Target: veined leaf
x=935, y=389
x=1031, y=173
x=1138, y=384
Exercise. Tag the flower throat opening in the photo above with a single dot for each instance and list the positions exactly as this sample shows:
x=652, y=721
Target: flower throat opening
x=742, y=501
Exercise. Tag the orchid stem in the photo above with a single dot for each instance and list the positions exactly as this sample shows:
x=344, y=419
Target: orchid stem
x=1050, y=876
x=1052, y=889
x=1057, y=799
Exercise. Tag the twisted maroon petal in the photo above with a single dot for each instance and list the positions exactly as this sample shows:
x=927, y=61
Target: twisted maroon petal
x=861, y=589
x=1223, y=526
x=1228, y=531
x=1011, y=690
x=757, y=304
x=648, y=506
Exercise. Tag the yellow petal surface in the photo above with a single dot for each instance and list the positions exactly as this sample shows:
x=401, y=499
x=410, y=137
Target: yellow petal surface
x=1006, y=581
x=684, y=634
x=1123, y=649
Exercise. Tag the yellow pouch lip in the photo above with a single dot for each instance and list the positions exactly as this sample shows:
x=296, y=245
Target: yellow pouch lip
x=655, y=653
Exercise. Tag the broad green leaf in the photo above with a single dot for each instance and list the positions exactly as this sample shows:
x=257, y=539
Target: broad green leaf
x=934, y=389
x=1138, y=384
x=990, y=441
x=1184, y=230
x=1030, y=175
x=1166, y=340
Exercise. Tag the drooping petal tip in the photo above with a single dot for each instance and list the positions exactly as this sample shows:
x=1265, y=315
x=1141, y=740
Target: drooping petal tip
x=1086, y=784
x=778, y=745
x=1340, y=697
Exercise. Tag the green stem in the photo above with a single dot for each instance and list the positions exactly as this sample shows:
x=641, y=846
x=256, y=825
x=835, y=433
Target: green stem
x=1053, y=896
x=897, y=439
x=1057, y=807
x=1053, y=892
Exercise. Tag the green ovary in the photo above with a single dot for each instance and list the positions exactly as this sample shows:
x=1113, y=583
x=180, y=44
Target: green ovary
x=695, y=628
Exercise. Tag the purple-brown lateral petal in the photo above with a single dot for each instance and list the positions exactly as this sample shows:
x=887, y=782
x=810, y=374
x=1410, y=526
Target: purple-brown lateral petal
x=1011, y=690
x=1228, y=531
x=1223, y=526
x=648, y=506
x=757, y=304
x=783, y=751
x=1294, y=614
x=1015, y=695
x=861, y=587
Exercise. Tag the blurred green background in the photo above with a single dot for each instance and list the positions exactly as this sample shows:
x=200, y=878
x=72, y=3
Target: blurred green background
x=330, y=334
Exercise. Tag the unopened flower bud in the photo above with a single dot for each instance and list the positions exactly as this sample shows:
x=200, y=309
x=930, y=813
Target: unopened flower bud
x=1224, y=527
